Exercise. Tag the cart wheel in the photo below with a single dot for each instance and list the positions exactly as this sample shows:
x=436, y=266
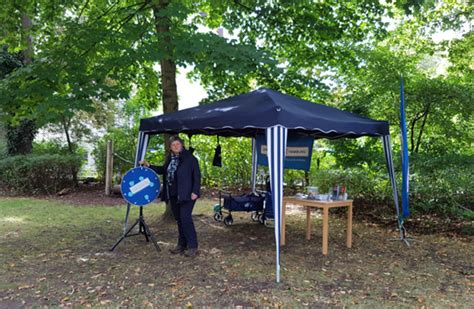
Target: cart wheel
x=261, y=219
x=218, y=217
x=254, y=216
x=228, y=220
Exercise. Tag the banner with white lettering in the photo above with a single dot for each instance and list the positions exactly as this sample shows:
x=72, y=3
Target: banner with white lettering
x=298, y=152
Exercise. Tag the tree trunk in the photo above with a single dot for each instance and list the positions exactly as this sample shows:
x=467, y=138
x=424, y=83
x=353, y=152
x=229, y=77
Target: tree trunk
x=168, y=73
x=420, y=134
x=71, y=149
x=20, y=137
x=28, y=52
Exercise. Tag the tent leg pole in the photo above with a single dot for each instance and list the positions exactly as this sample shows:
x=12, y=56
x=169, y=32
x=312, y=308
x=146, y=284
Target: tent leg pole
x=254, y=166
x=391, y=171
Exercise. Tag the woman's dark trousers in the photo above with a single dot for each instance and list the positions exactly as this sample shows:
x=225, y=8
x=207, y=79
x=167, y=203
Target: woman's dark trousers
x=182, y=213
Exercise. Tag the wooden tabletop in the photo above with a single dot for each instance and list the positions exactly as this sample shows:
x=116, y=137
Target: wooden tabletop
x=317, y=203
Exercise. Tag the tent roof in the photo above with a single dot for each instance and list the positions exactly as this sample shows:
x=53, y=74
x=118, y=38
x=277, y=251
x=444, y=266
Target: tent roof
x=251, y=113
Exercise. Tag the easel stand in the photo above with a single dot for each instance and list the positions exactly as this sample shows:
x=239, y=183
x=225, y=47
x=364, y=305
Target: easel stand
x=142, y=229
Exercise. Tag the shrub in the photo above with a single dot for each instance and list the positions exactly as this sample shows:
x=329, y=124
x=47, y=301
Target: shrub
x=3, y=142
x=50, y=147
x=3, y=148
x=34, y=174
x=442, y=185
x=361, y=183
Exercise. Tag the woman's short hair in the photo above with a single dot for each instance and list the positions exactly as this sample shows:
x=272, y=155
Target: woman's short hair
x=175, y=138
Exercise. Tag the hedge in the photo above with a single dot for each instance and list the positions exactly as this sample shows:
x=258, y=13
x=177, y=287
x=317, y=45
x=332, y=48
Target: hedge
x=38, y=174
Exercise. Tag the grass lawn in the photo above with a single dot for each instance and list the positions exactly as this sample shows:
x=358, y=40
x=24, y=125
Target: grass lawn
x=54, y=253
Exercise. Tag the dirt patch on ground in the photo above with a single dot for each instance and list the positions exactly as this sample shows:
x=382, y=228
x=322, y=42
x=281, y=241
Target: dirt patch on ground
x=93, y=194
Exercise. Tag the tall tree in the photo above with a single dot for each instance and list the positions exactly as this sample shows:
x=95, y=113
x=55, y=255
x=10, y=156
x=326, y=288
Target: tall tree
x=438, y=108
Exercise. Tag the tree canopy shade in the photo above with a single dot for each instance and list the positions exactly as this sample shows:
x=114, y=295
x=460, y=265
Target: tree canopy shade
x=251, y=113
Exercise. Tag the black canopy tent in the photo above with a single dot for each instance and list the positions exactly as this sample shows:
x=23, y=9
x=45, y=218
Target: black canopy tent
x=252, y=113
x=276, y=115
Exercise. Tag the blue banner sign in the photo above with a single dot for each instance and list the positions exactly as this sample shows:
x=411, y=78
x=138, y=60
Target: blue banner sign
x=298, y=152
x=140, y=186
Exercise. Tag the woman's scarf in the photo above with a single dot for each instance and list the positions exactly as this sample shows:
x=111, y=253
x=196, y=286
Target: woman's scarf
x=171, y=171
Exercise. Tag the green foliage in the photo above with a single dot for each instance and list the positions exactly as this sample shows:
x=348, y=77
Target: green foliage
x=3, y=142
x=56, y=147
x=443, y=185
x=124, y=141
x=366, y=184
x=9, y=62
x=94, y=67
x=305, y=41
x=236, y=160
x=20, y=137
x=438, y=109
x=461, y=53
x=34, y=174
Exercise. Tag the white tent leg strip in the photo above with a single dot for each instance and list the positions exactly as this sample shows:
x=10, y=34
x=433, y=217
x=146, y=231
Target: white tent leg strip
x=254, y=166
x=276, y=148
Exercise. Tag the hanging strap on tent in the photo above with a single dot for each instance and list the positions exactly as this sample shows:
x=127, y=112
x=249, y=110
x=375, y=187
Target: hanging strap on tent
x=217, y=160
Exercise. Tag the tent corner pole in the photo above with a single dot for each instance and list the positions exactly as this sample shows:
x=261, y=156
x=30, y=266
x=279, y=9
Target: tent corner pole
x=391, y=171
x=276, y=148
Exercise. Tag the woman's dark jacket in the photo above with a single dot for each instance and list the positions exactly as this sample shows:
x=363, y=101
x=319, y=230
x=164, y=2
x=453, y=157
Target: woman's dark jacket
x=187, y=177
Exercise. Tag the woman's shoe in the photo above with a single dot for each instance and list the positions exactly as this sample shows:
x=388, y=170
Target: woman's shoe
x=177, y=250
x=192, y=252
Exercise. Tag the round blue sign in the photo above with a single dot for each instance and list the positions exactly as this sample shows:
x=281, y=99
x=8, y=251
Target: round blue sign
x=140, y=186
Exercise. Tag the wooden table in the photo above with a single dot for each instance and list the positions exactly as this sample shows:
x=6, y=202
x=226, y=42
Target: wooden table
x=325, y=205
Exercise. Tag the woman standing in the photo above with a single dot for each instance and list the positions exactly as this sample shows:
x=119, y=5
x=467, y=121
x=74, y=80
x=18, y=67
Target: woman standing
x=181, y=188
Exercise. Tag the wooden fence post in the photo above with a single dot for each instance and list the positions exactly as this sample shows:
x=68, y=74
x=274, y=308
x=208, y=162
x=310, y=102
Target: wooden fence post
x=109, y=166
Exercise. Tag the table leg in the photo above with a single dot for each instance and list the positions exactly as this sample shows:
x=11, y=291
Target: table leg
x=283, y=224
x=308, y=223
x=349, y=226
x=325, y=230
